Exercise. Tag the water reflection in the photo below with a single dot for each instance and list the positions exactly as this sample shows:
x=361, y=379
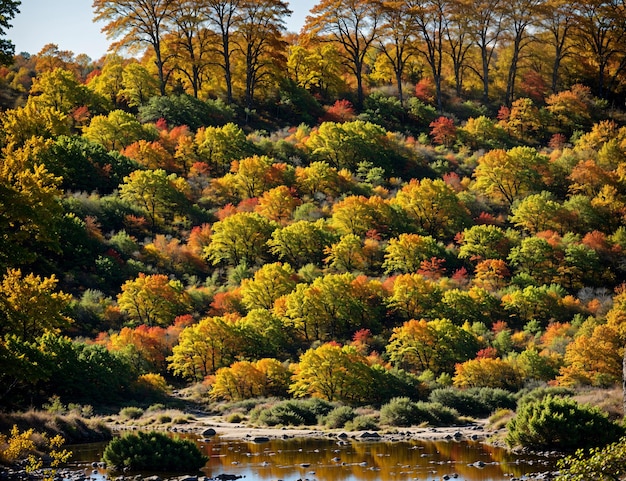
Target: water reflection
x=355, y=460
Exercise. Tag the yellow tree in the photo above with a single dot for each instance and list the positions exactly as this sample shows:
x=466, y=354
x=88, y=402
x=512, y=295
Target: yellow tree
x=269, y=283
x=203, y=348
x=413, y=296
x=593, y=358
x=405, y=253
x=509, y=175
x=137, y=22
x=488, y=372
x=333, y=373
x=153, y=299
x=30, y=305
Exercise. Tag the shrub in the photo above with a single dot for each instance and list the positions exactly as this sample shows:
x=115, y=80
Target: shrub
x=599, y=463
x=164, y=418
x=362, y=423
x=339, y=416
x=154, y=451
x=562, y=424
x=235, y=418
x=539, y=393
x=291, y=412
x=131, y=412
x=477, y=402
x=399, y=411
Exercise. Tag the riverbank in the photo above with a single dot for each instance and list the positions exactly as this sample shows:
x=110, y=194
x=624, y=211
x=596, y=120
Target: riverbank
x=206, y=426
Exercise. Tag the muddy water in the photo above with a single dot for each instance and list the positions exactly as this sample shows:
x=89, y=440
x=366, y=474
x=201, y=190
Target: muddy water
x=352, y=460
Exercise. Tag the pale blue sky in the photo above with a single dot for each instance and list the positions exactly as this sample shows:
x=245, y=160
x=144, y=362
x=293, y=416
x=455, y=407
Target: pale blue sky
x=68, y=24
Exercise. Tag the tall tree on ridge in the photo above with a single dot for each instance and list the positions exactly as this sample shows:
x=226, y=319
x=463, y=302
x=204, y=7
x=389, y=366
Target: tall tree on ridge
x=353, y=24
x=137, y=21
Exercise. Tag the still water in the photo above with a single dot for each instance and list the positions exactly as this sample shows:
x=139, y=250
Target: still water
x=354, y=460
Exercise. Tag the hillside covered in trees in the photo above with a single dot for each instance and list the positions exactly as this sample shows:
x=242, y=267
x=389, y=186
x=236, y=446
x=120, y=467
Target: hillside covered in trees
x=403, y=196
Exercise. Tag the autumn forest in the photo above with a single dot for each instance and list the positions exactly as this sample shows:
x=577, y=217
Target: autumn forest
x=403, y=196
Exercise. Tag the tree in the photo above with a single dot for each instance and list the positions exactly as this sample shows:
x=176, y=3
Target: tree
x=488, y=372
x=259, y=40
x=481, y=242
x=240, y=237
x=223, y=16
x=203, y=348
x=354, y=25
x=433, y=206
x=157, y=194
x=558, y=19
x=594, y=359
x=218, y=146
x=536, y=213
x=561, y=423
x=333, y=373
x=430, y=19
x=430, y=345
x=269, y=283
x=398, y=33
x=59, y=89
x=413, y=296
x=406, y=253
x=485, y=21
x=244, y=380
x=117, y=130
x=30, y=305
x=8, y=10
x=301, y=243
x=138, y=22
x=509, y=175
x=30, y=210
x=191, y=42
x=153, y=300
x=519, y=16
x=333, y=307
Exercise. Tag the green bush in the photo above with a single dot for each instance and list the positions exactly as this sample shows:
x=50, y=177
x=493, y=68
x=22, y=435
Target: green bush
x=605, y=463
x=291, y=412
x=561, y=424
x=403, y=412
x=131, y=412
x=339, y=416
x=154, y=451
x=476, y=402
x=539, y=393
x=400, y=411
x=362, y=423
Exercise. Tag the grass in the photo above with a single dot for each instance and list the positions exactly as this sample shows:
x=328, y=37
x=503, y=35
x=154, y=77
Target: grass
x=73, y=427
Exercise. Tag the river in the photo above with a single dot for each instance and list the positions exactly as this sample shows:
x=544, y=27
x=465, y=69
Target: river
x=354, y=460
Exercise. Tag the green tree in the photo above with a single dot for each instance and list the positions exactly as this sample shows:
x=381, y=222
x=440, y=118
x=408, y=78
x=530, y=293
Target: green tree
x=481, y=242
x=302, y=242
x=219, y=146
x=405, y=253
x=117, y=130
x=433, y=207
x=561, y=423
x=431, y=345
x=240, y=237
x=155, y=193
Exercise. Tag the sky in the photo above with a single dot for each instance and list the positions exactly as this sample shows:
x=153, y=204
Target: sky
x=69, y=25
